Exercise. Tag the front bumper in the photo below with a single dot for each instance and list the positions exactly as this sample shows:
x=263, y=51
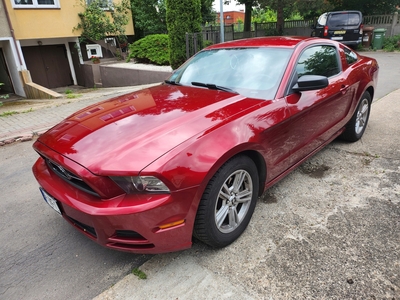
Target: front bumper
x=128, y=223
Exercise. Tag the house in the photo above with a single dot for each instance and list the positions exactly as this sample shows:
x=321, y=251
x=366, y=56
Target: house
x=37, y=42
x=232, y=17
x=9, y=59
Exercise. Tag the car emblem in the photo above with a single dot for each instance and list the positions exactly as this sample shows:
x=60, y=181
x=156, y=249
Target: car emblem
x=60, y=169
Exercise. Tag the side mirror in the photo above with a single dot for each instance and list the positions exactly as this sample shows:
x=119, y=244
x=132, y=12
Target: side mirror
x=312, y=26
x=310, y=82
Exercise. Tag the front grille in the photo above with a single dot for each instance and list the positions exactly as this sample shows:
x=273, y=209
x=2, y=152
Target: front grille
x=70, y=177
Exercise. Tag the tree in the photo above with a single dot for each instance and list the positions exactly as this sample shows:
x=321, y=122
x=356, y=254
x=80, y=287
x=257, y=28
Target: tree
x=276, y=5
x=149, y=16
x=96, y=23
x=207, y=13
x=183, y=16
x=311, y=9
x=261, y=15
x=284, y=9
x=367, y=7
x=248, y=8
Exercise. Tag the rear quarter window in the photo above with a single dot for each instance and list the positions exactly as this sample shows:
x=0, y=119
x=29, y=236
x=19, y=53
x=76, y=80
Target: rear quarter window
x=351, y=56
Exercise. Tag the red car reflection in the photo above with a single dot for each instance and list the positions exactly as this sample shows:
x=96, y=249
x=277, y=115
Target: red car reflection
x=146, y=171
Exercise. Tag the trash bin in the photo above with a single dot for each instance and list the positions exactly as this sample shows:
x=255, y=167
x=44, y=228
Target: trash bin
x=379, y=34
x=367, y=37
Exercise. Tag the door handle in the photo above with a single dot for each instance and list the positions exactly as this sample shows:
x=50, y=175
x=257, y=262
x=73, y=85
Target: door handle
x=344, y=89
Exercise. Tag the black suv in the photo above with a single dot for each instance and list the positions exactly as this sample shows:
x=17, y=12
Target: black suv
x=342, y=26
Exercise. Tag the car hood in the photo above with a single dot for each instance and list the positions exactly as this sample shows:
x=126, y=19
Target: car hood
x=125, y=134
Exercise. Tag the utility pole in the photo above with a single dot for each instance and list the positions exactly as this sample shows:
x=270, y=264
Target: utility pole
x=221, y=20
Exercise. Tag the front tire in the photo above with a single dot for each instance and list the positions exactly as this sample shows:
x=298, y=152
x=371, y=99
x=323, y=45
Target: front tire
x=356, y=126
x=228, y=203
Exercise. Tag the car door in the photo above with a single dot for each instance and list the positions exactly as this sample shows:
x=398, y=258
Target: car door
x=316, y=114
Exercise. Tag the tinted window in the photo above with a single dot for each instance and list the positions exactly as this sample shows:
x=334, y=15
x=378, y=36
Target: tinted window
x=252, y=72
x=344, y=19
x=318, y=60
x=351, y=56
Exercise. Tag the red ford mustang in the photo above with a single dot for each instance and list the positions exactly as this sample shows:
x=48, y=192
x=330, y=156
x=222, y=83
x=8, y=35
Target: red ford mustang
x=146, y=171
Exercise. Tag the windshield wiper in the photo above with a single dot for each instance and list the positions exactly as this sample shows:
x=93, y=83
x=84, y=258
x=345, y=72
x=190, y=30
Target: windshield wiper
x=213, y=86
x=172, y=82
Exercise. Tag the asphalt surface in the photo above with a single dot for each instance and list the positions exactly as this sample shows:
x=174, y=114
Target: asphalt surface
x=329, y=230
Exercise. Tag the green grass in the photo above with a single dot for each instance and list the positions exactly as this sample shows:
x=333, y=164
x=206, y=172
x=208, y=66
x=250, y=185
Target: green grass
x=8, y=113
x=139, y=273
x=71, y=96
x=27, y=111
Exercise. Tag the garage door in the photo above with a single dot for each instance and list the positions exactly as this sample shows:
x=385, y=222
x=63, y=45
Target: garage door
x=48, y=65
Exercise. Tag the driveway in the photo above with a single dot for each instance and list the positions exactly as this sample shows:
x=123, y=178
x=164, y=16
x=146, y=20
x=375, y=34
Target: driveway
x=329, y=230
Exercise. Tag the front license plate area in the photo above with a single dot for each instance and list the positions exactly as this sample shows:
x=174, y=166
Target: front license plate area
x=50, y=201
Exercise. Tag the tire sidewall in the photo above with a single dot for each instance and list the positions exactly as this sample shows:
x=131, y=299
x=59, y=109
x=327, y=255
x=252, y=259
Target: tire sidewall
x=350, y=133
x=238, y=163
x=366, y=96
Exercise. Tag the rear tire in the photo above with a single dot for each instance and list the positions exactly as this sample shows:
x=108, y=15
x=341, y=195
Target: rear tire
x=228, y=203
x=356, y=126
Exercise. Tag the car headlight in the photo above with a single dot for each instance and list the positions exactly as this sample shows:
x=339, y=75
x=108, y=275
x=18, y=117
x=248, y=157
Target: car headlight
x=134, y=184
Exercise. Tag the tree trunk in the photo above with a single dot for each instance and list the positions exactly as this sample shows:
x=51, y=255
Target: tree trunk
x=280, y=17
x=247, y=19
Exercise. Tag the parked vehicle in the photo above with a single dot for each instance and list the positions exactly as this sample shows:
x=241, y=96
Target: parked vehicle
x=146, y=171
x=343, y=26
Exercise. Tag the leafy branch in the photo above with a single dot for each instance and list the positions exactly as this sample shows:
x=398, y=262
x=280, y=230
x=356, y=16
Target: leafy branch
x=98, y=22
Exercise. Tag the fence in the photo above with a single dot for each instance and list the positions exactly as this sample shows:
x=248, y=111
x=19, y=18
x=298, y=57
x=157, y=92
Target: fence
x=195, y=41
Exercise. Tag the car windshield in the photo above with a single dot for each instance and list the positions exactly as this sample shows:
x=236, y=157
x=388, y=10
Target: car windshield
x=251, y=72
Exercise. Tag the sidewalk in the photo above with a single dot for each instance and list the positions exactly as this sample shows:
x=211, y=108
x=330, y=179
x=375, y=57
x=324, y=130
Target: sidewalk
x=22, y=120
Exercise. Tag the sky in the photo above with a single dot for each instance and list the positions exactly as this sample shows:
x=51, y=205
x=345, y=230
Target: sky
x=230, y=7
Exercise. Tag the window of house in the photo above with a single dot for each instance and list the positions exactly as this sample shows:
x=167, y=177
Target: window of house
x=94, y=50
x=318, y=60
x=104, y=4
x=36, y=3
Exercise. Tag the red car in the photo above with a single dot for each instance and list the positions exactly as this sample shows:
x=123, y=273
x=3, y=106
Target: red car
x=146, y=171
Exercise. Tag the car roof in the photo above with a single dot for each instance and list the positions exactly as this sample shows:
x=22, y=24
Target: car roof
x=344, y=12
x=270, y=41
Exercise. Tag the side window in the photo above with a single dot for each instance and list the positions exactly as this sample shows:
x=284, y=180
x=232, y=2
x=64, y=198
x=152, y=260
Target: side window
x=318, y=60
x=351, y=56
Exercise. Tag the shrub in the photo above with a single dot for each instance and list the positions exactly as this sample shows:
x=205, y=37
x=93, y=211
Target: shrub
x=391, y=44
x=182, y=17
x=207, y=43
x=152, y=49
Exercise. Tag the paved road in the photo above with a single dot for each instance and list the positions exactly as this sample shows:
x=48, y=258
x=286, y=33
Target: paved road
x=43, y=257
x=329, y=230
x=389, y=72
